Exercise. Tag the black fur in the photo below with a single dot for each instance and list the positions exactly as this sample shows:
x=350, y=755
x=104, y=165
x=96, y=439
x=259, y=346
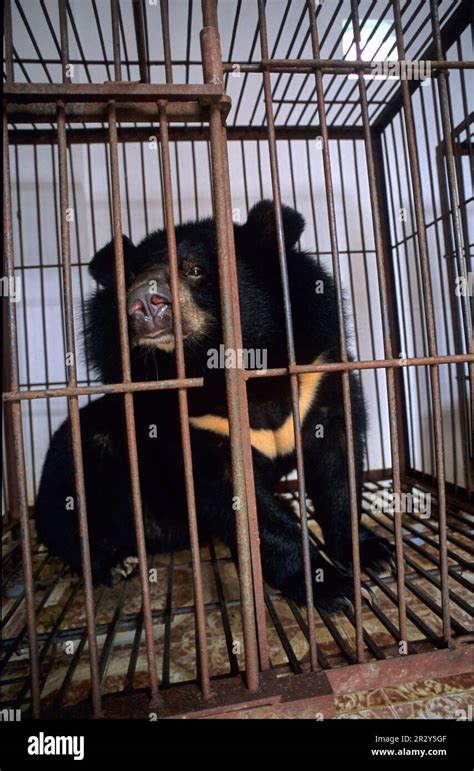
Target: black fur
x=104, y=443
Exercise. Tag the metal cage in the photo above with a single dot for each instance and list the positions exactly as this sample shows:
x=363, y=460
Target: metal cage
x=113, y=112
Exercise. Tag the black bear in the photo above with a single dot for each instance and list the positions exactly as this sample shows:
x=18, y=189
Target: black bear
x=314, y=317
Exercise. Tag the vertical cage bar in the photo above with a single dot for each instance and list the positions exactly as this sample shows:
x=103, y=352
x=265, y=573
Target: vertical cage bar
x=343, y=346
x=18, y=447
x=365, y=258
x=212, y=61
x=209, y=14
x=390, y=281
x=8, y=38
x=460, y=256
x=430, y=323
x=183, y=408
x=62, y=9
x=271, y=138
x=10, y=481
x=460, y=329
x=247, y=449
x=449, y=312
x=165, y=28
x=393, y=405
x=116, y=40
x=129, y=407
x=73, y=404
x=234, y=404
x=236, y=398
x=139, y=22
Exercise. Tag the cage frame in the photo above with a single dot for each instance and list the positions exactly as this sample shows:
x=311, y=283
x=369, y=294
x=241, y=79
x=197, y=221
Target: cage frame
x=164, y=103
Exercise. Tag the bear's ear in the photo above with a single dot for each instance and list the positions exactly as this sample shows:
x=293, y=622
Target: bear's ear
x=102, y=265
x=261, y=225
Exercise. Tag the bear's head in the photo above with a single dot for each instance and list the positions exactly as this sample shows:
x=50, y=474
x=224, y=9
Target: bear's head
x=148, y=286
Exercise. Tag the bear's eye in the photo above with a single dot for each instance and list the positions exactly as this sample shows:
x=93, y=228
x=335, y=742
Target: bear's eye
x=195, y=272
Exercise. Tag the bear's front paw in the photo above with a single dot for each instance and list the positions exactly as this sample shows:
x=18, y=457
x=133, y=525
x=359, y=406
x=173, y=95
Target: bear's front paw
x=123, y=569
x=335, y=592
x=376, y=553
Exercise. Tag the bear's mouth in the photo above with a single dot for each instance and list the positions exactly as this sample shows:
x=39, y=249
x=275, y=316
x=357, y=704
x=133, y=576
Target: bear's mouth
x=153, y=336
x=163, y=341
x=157, y=333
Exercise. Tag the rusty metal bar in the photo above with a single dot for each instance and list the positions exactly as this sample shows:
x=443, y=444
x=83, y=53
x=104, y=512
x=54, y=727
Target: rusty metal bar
x=122, y=92
x=96, y=112
x=212, y=70
x=11, y=480
x=342, y=366
x=431, y=330
x=456, y=261
x=180, y=133
x=460, y=254
x=399, y=164
x=116, y=40
x=165, y=28
x=139, y=23
x=342, y=333
x=183, y=408
x=418, y=361
x=73, y=404
x=209, y=16
x=106, y=388
x=19, y=457
x=129, y=409
x=234, y=403
x=8, y=37
x=450, y=315
x=329, y=66
x=394, y=403
x=308, y=575
x=62, y=10
x=247, y=449
x=391, y=307
x=359, y=201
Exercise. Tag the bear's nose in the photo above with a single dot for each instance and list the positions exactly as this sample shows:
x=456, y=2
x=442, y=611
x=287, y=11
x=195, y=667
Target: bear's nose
x=143, y=303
